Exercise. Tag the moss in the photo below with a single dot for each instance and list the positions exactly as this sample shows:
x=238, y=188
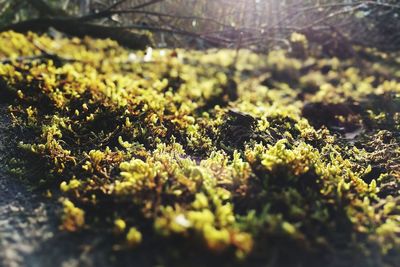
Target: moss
x=134, y=237
x=281, y=157
x=73, y=218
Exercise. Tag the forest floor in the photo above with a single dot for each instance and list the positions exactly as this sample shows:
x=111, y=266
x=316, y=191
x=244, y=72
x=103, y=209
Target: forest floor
x=111, y=156
x=27, y=221
x=29, y=225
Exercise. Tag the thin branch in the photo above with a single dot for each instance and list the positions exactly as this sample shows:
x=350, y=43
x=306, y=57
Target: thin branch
x=334, y=14
x=157, y=29
x=152, y=2
x=210, y=39
x=159, y=14
x=115, y=5
x=358, y=4
x=109, y=10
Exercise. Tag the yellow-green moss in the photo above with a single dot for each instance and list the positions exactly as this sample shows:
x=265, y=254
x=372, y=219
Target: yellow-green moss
x=274, y=153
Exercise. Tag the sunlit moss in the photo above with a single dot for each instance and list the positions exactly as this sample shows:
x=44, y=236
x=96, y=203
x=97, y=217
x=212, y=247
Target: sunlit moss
x=134, y=237
x=73, y=218
x=245, y=154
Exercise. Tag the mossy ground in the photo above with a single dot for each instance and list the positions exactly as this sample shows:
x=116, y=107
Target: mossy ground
x=221, y=157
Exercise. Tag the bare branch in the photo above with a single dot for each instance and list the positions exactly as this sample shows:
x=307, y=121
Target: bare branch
x=116, y=4
x=152, y=2
x=109, y=10
x=158, y=14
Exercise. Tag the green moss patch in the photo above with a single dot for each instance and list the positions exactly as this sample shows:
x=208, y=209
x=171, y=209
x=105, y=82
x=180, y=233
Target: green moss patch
x=249, y=158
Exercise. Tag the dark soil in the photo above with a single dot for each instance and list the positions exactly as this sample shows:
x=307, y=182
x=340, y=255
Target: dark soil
x=29, y=234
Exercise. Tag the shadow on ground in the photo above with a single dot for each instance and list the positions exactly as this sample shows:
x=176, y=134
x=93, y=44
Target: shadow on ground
x=29, y=234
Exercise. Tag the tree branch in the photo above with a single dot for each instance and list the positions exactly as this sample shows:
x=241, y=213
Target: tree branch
x=109, y=10
x=75, y=27
x=152, y=2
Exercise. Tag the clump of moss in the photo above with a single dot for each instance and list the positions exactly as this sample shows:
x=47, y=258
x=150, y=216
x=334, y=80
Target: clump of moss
x=274, y=158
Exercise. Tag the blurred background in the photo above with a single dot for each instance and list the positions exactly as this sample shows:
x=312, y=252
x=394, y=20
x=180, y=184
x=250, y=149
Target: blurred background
x=255, y=24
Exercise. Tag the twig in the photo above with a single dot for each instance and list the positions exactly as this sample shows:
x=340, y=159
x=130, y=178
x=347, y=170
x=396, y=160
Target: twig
x=44, y=55
x=50, y=55
x=107, y=12
x=172, y=31
x=159, y=14
x=152, y=2
x=115, y=5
